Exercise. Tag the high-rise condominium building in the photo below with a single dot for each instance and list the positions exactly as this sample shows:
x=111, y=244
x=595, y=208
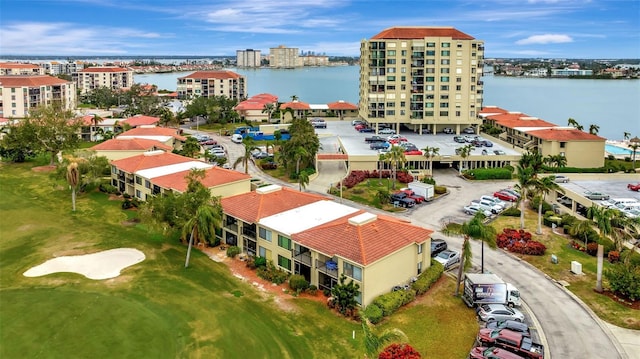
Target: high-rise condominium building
x=248, y=58
x=284, y=57
x=212, y=83
x=111, y=77
x=427, y=78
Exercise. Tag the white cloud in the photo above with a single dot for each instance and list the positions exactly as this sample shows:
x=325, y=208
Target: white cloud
x=545, y=39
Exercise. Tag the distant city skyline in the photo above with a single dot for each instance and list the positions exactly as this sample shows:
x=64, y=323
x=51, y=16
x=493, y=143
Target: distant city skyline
x=589, y=29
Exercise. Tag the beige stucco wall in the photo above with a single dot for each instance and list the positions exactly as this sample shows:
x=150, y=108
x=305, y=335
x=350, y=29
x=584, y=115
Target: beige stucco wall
x=117, y=155
x=583, y=154
x=231, y=189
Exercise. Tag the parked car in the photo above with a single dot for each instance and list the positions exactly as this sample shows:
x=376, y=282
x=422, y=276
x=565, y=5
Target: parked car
x=469, y=130
x=366, y=130
x=487, y=143
x=634, y=213
x=437, y=246
x=418, y=198
x=492, y=353
x=634, y=187
x=472, y=209
x=487, y=206
x=505, y=196
x=499, y=312
x=512, y=325
x=596, y=196
x=398, y=138
x=379, y=145
x=387, y=131
x=356, y=122
x=448, y=258
x=447, y=130
x=496, y=201
x=401, y=199
x=260, y=155
x=499, y=152
x=459, y=139
x=236, y=138
x=511, y=341
x=413, y=153
x=561, y=179
x=511, y=191
x=208, y=142
x=470, y=138
x=359, y=126
x=374, y=139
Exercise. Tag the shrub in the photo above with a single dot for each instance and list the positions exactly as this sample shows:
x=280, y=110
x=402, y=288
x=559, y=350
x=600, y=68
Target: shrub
x=429, y=180
x=592, y=249
x=511, y=212
x=624, y=278
x=519, y=241
x=440, y=189
x=427, y=278
x=390, y=302
x=614, y=256
x=233, y=251
x=491, y=173
x=326, y=292
x=126, y=195
x=272, y=274
x=260, y=262
x=297, y=282
x=399, y=351
x=107, y=188
x=373, y=313
x=312, y=289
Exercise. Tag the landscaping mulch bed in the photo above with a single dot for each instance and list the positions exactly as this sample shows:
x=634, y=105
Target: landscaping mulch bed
x=622, y=300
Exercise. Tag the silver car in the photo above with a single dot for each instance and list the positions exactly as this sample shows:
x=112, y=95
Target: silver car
x=448, y=258
x=499, y=312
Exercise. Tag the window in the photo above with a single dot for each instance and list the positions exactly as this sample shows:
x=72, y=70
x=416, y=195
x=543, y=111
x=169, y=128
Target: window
x=284, y=262
x=444, y=78
x=391, y=78
x=391, y=104
x=444, y=104
x=430, y=71
x=391, y=87
x=459, y=45
x=391, y=112
x=147, y=184
x=430, y=79
x=431, y=44
x=138, y=180
x=429, y=87
x=428, y=105
x=391, y=61
x=458, y=88
x=444, y=62
x=262, y=252
x=138, y=194
x=419, y=267
x=444, y=53
x=563, y=144
x=403, y=78
x=284, y=242
x=457, y=113
x=403, y=104
x=444, y=113
x=431, y=53
x=444, y=70
x=391, y=70
x=430, y=62
x=352, y=271
x=403, y=53
x=444, y=88
x=264, y=234
x=445, y=44
x=420, y=248
x=391, y=53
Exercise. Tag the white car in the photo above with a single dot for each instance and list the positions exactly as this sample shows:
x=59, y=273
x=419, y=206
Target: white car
x=495, y=201
x=561, y=179
x=387, y=131
x=448, y=258
x=487, y=206
x=472, y=209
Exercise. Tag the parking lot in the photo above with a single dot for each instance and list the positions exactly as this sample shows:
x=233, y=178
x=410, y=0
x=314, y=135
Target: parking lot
x=354, y=144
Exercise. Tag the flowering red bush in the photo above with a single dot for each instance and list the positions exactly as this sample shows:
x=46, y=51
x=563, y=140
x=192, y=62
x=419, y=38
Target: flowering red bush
x=404, y=177
x=592, y=248
x=358, y=176
x=614, y=256
x=399, y=351
x=519, y=241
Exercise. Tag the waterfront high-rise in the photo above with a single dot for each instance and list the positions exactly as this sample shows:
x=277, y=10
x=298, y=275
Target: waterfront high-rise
x=282, y=57
x=212, y=83
x=248, y=58
x=426, y=78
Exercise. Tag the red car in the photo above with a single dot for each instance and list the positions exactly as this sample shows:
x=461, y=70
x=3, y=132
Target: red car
x=493, y=353
x=512, y=341
x=505, y=196
x=413, y=152
x=634, y=187
x=418, y=198
x=360, y=126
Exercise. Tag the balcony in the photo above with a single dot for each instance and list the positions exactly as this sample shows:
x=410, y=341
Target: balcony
x=249, y=231
x=303, y=257
x=328, y=267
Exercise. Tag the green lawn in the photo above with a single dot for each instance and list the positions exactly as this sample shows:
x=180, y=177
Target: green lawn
x=581, y=285
x=157, y=308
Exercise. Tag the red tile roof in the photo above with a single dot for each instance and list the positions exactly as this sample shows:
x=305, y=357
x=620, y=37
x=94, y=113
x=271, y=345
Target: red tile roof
x=140, y=120
x=564, y=134
x=31, y=81
x=518, y=119
x=212, y=75
x=342, y=105
x=251, y=207
x=296, y=105
x=256, y=102
x=131, y=144
x=492, y=109
x=214, y=177
x=104, y=69
x=418, y=32
x=365, y=243
x=17, y=65
x=332, y=156
x=149, y=160
x=154, y=131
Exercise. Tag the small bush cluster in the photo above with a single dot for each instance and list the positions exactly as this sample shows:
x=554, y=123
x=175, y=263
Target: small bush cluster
x=256, y=262
x=357, y=176
x=399, y=351
x=233, y=251
x=624, y=279
x=272, y=274
x=110, y=189
x=511, y=212
x=386, y=304
x=519, y=241
x=440, y=189
x=298, y=283
x=490, y=173
x=613, y=256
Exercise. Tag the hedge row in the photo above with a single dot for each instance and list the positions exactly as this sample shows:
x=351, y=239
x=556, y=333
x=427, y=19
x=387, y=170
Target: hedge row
x=386, y=304
x=489, y=173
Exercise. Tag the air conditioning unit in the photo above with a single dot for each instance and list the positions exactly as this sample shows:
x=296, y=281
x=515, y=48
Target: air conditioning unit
x=576, y=267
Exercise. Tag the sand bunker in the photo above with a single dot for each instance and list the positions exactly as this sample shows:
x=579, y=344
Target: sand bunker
x=100, y=265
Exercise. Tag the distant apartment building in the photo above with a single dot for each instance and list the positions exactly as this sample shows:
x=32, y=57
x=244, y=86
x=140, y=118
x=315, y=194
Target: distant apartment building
x=62, y=68
x=315, y=60
x=19, y=93
x=248, y=58
x=112, y=77
x=426, y=78
x=212, y=83
x=283, y=57
x=566, y=72
x=16, y=68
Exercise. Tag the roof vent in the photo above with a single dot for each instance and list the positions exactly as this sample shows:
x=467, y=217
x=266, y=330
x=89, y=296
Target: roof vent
x=514, y=112
x=153, y=153
x=525, y=118
x=362, y=219
x=268, y=189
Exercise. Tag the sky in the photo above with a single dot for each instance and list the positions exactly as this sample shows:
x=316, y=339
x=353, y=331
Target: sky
x=590, y=29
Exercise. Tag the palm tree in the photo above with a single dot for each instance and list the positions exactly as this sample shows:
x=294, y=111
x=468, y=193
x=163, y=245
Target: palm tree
x=294, y=98
x=543, y=186
x=559, y=161
x=581, y=227
x=626, y=136
x=575, y=124
x=73, y=177
x=303, y=180
x=373, y=343
x=464, y=152
x=430, y=153
x=593, y=129
x=474, y=228
x=249, y=145
x=201, y=226
x=268, y=109
x=634, y=145
x=395, y=157
x=299, y=154
x=525, y=177
x=96, y=120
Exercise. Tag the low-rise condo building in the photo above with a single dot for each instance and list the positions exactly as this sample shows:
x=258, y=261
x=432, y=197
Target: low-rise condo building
x=111, y=77
x=20, y=93
x=212, y=83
